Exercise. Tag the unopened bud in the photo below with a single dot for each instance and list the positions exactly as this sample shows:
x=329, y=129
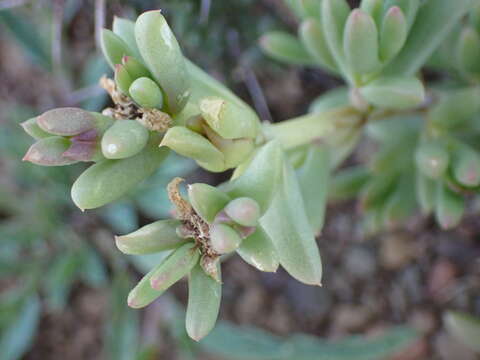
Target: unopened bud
x=49, y=152
x=122, y=78
x=66, y=121
x=243, y=211
x=466, y=166
x=31, y=128
x=207, y=200
x=224, y=239
x=146, y=93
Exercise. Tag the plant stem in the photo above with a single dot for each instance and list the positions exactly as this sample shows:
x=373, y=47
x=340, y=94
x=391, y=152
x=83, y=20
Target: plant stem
x=312, y=127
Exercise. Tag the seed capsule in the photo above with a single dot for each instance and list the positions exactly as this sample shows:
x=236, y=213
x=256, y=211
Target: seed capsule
x=229, y=120
x=204, y=295
x=146, y=93
x=49, y=152
x=207, y=200
x=360, y=43
x=158, y=236
x=176, y=266
x=432, y=159
x=224, y=239
x=122, y=78
x=168, y=272
x=123, y=139
x=66, y=121
x=164, y=59
x=244, y=211
x=450, y=207
x=394, y=33
x=466, y=165
x=114, y=48
x=31, y=128
x=195, y=146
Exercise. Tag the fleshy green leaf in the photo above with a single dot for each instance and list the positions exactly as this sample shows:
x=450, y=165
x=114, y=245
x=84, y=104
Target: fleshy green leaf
x=434, y=21
x=394, y=92
x=260, y=179
x=314, y=178
x=162, y=54
x=258, y=251
x=285, y=48
x=155, y=237
x=204, y=295
x=293, y=236
x=108, y=180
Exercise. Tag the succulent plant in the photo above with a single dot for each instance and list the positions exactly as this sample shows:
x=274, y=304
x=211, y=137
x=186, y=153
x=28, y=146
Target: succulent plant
x=274, y=203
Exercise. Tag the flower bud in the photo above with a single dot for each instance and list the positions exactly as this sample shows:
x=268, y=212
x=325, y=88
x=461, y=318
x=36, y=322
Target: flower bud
x=163, y=57
x=394, y=92
x=169, y=271
x=84, y=147
x=123, y=139
x=235, y=151
x=31, y=128
x=229, y=120
x=113, y=48
x=244, y=211
x=468, y=51
x=207, y=200
x=122, y=78
x=193, y=145
x=360, y=43
x=311, y=34
x=176, y=266
x=135, y=68
x=224, y=239
x=466, y=165
x=108, y=180
x=66, y=121
x=204, y=295
x=258, y=251
x=49, y=152
x=155, y=237
x=432, y=159
x=449, y=208
x=146, y=93
x=394, y=33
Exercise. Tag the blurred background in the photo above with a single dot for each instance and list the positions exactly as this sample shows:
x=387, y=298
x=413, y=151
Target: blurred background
x=63, y=284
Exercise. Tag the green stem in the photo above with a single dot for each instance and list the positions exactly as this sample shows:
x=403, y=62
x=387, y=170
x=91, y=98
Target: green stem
x=312, y=127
